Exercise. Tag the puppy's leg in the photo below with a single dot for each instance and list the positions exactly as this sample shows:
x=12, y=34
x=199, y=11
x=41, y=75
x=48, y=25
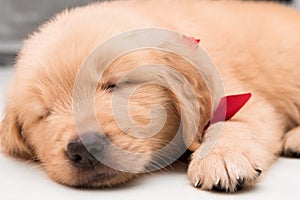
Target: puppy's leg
x=292, y=143
x=246, y=146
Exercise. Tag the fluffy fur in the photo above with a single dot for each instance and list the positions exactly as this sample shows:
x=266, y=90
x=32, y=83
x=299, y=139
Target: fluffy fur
x=253, y=44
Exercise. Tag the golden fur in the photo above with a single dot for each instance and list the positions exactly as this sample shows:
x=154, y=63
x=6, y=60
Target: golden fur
x=255, y=46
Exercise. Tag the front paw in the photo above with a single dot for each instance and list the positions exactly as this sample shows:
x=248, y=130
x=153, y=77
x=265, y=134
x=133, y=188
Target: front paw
x=224, y=172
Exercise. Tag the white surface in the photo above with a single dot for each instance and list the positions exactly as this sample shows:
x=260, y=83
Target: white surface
x=23, y=180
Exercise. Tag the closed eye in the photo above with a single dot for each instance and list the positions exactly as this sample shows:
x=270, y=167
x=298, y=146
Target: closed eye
x=108, y=86
x=111, y=86
x=45, y=115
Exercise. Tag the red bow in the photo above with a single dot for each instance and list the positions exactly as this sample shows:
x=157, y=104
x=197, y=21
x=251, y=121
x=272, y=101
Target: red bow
x=228, y=107
x=191, y=41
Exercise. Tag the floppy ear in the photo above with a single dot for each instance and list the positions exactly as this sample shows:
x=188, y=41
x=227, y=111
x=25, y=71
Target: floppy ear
x=11, y=140
x=189, y=91
x=194, y=100
x=194, y=111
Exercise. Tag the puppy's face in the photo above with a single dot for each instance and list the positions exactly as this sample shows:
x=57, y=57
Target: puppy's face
x=40, y=123
x=100, y=144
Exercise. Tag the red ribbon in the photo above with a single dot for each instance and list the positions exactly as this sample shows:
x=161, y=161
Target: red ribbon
x=191, y=41
x=228, y=107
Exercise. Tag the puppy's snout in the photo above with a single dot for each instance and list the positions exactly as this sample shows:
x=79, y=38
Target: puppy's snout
x=87, y=151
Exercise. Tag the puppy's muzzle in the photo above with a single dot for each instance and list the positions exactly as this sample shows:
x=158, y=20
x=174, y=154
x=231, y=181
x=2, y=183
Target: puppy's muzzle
x=87, y=151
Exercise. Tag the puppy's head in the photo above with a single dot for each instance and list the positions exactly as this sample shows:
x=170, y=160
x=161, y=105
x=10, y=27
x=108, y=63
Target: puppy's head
x=43, y=121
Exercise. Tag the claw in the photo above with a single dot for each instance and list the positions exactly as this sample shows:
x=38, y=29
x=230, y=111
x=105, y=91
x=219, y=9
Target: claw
x=239, y=184
x=259, y=171
x=197, y=184
x=217, y=186
x=241, y=181
x=218, y=181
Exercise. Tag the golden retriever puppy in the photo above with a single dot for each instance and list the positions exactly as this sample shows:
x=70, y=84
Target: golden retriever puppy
x=50, y=115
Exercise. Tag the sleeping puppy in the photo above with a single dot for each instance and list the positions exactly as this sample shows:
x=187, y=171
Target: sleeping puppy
x=253, y=45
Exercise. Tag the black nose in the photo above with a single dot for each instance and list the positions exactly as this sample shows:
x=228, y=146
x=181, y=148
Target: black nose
x=88, y=150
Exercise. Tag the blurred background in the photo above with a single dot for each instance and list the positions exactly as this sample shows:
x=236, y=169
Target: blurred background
x=18, y=18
